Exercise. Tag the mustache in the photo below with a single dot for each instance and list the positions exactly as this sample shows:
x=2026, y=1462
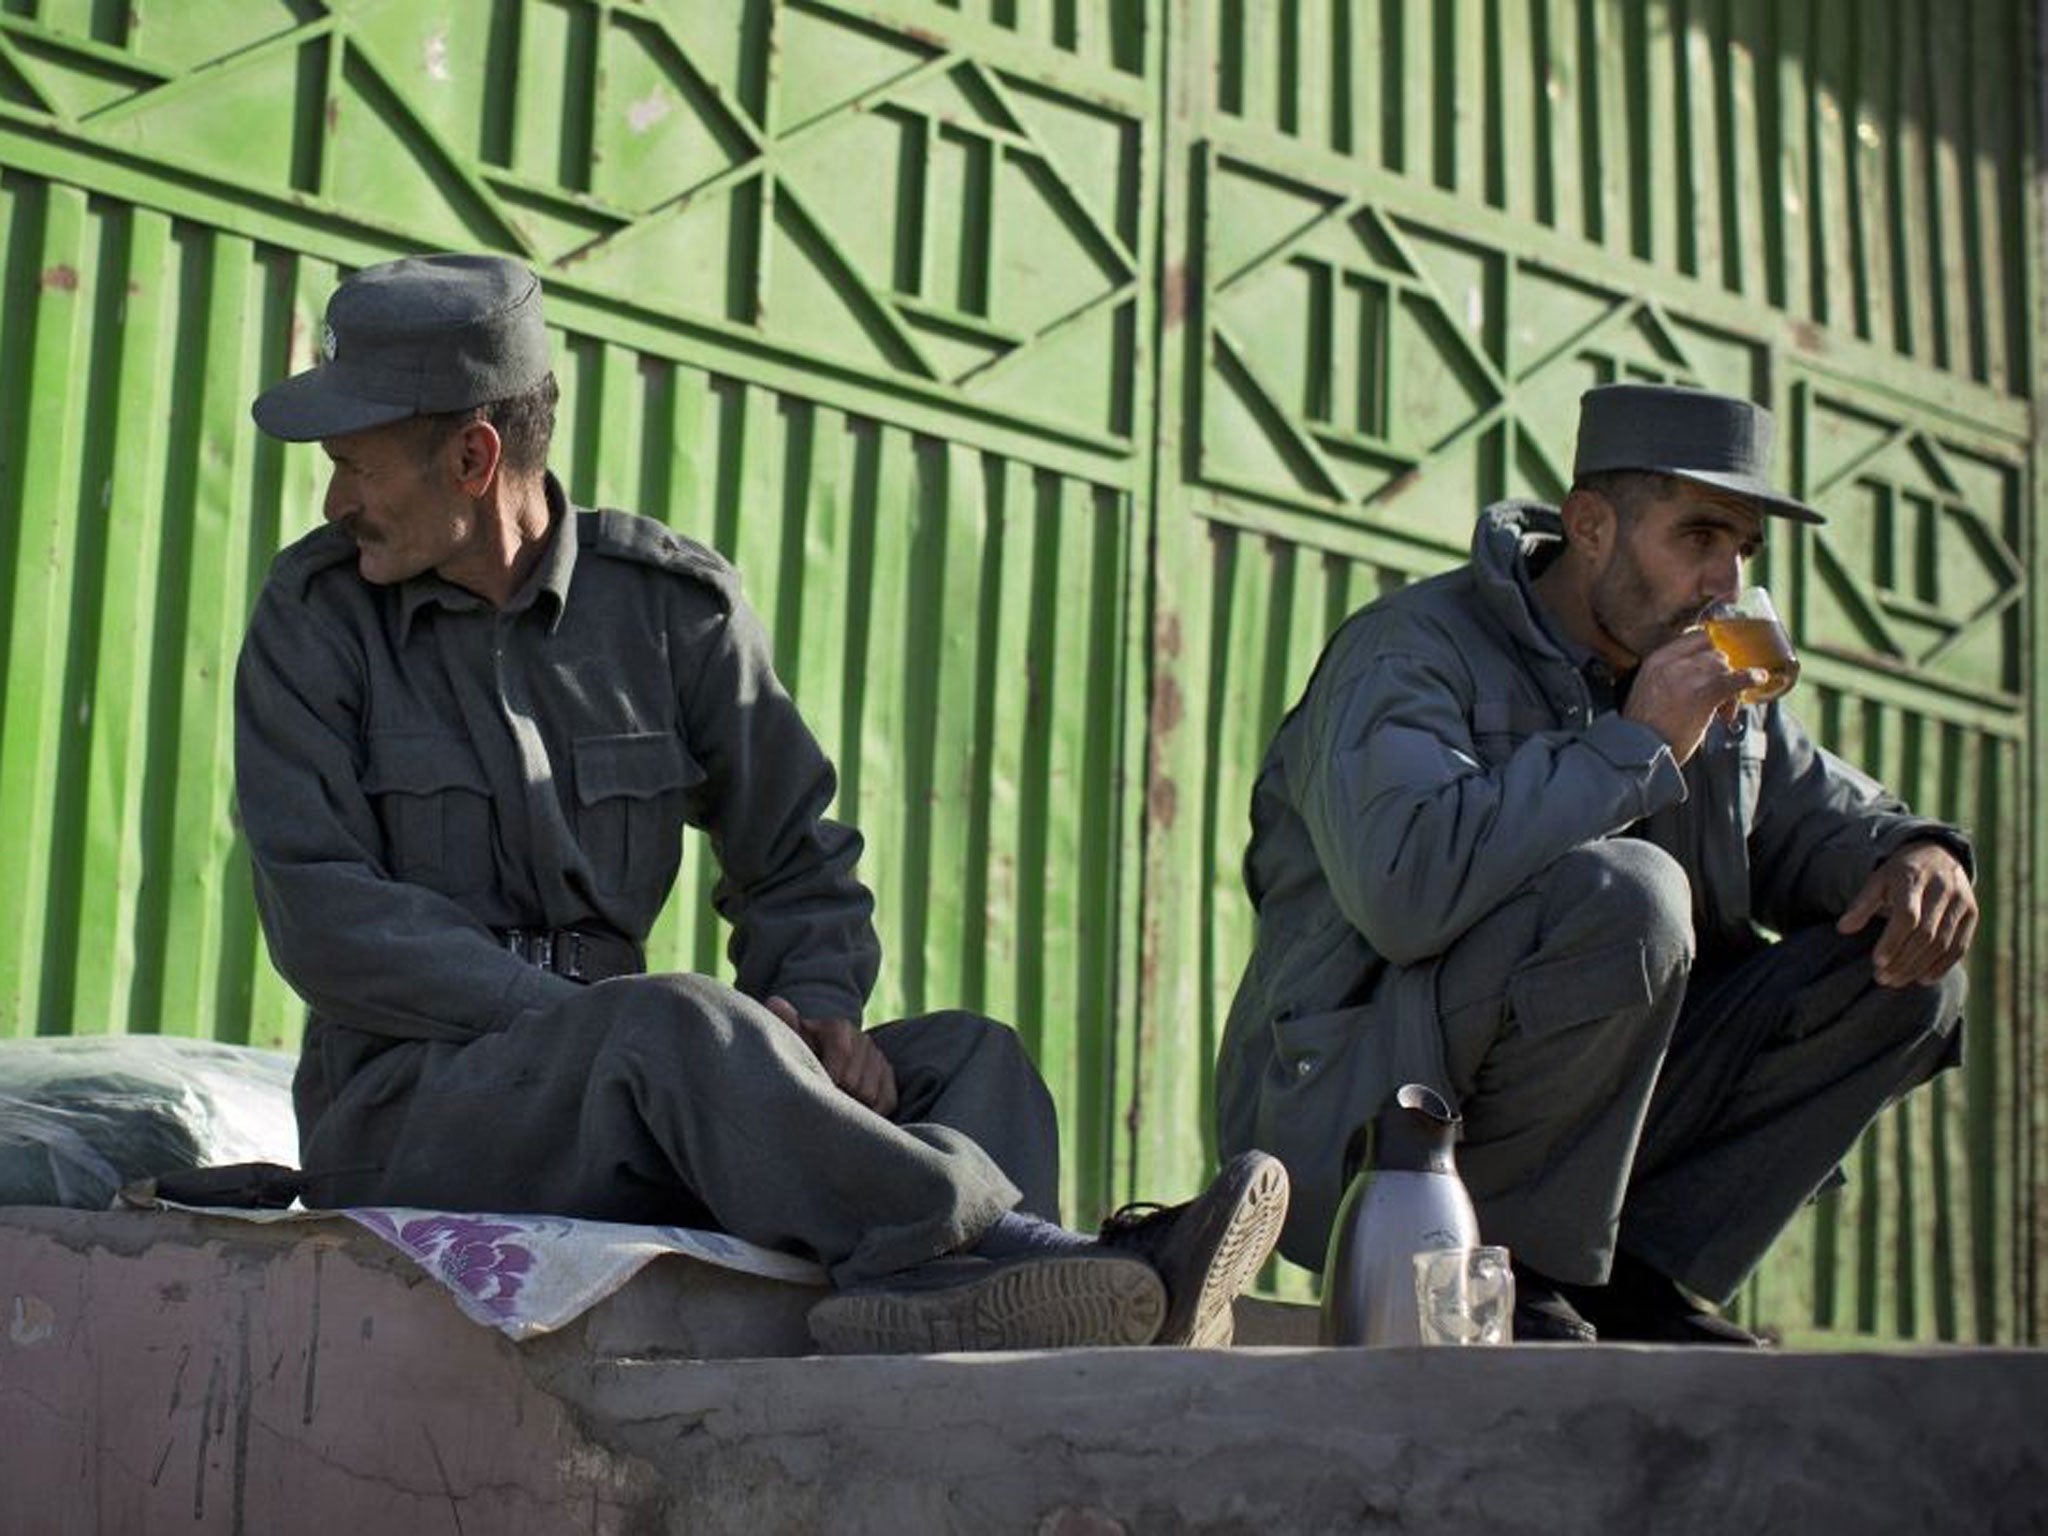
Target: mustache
x=354, y=526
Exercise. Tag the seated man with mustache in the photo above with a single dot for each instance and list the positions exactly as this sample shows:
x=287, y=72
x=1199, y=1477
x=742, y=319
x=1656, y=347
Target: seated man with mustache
x=472, y=721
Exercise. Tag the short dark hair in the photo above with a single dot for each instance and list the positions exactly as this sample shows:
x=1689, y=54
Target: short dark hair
x=1628, y=491
x=525, y=424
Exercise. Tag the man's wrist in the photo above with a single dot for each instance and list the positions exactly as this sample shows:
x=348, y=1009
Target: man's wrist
x=1953, y=843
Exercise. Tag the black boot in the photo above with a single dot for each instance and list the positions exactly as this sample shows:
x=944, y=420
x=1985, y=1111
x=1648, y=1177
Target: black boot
x=1642, y=1305
x=1543, y=1313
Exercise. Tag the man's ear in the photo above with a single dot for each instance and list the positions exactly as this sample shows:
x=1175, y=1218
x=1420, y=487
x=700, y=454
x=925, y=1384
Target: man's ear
x=479, y=454
x=1589, y=524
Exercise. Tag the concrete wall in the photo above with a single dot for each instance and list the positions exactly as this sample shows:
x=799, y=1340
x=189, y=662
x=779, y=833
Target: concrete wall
x=162, y=1373
x=167, y=1373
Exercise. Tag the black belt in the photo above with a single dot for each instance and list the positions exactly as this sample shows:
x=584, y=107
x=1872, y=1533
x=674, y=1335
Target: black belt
x=581, y=954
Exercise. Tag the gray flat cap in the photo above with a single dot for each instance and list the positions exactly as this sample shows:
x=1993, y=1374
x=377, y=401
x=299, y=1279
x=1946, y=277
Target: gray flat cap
x=1717, y=440
x=414, y=337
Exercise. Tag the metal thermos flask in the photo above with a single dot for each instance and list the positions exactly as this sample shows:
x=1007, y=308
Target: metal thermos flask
x=1405, y=1198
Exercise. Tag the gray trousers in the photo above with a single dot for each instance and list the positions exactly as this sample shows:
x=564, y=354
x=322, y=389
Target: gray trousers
x=671, y=1099
x=1616, y=1093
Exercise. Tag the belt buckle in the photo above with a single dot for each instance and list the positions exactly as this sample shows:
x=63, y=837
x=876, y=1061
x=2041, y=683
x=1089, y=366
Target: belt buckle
x=567, y=960
x=560, y=950
x=536, y=946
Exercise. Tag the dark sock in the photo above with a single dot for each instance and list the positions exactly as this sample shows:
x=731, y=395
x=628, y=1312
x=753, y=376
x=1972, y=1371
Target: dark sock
x=1014, y=1235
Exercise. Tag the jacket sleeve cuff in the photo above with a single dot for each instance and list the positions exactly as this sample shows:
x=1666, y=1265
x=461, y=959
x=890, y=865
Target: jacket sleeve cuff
x=1940, y=833
x=816, y=1002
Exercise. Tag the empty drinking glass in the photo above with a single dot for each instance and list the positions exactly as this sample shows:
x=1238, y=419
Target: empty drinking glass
x=1465, y=1296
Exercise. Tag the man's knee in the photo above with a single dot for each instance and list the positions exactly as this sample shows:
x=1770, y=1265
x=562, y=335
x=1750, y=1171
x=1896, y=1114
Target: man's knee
x=1927, y=1019
x=1933, y=1008
x=1605, y=932
x=686, y=1022
x=1951, y=992
x=1623, y=888
x=955, y=1041
x=952, y=1031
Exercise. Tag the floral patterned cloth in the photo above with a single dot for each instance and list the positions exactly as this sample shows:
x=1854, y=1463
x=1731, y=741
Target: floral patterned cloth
x=525, y=1275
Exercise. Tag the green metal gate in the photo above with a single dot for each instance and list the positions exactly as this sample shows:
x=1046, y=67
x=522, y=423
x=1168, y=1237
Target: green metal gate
x=1058, y=372
x=1411, y=235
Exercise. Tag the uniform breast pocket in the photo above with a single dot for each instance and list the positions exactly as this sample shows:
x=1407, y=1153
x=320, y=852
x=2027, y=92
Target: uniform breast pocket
x=629, y=807
x=434, y=806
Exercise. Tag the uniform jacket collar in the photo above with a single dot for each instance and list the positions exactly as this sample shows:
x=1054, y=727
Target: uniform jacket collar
x=549, y=580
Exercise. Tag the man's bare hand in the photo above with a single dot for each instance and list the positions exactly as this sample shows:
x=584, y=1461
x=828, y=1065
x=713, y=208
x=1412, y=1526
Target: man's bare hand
x=853, y=1061
x=1681, y=687
x=1930, y=912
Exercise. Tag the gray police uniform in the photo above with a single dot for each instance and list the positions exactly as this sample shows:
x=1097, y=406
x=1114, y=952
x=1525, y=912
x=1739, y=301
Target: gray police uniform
x=1445, y=894
x=419, y=772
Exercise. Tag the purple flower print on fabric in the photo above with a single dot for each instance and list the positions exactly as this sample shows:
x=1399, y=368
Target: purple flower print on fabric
x=472, y=1255
x=526, y=1274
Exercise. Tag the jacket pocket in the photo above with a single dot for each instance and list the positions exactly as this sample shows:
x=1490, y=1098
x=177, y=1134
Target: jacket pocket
x=1307, y=1045
x=1323, y=1080
x=1558, y=994
x=433, y=804
x=629, y=807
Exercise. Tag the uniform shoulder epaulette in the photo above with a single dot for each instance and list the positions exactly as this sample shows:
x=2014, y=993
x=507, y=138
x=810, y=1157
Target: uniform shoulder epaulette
x=299, y=562
x=629, y=536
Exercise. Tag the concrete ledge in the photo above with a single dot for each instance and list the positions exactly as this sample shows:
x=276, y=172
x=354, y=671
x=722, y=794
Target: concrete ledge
x=1498, y=1441
x=162, y=1372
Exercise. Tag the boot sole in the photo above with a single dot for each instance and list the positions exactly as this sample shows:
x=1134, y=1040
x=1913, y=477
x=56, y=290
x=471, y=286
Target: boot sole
x=1049, y=1303
x=1257, y=1210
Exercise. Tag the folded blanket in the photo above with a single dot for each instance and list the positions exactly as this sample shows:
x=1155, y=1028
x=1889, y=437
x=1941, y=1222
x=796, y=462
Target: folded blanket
x=527, y=1275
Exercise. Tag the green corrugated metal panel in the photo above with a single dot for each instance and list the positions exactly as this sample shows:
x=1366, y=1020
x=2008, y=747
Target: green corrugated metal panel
x=1860, y=166
x=1059, y=372
x=953, y=623
x=2027, y=1091
x=137, y=528
x=1412, y=235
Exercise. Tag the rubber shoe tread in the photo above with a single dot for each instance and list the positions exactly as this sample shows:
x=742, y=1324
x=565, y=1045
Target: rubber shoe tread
x=1209, y=1249
x=1058, y=1302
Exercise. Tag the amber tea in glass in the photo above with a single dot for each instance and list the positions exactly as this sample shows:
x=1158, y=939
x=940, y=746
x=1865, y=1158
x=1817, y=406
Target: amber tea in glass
x=1749, y=633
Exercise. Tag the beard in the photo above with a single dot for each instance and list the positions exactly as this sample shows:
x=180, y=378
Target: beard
x=1628, y=610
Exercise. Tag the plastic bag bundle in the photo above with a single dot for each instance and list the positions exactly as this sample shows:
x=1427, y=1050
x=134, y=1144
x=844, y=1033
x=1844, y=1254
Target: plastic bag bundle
x=80, y=1116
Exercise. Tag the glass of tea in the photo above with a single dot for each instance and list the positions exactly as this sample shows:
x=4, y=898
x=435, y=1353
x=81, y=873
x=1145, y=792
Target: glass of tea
x=1749, y=633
